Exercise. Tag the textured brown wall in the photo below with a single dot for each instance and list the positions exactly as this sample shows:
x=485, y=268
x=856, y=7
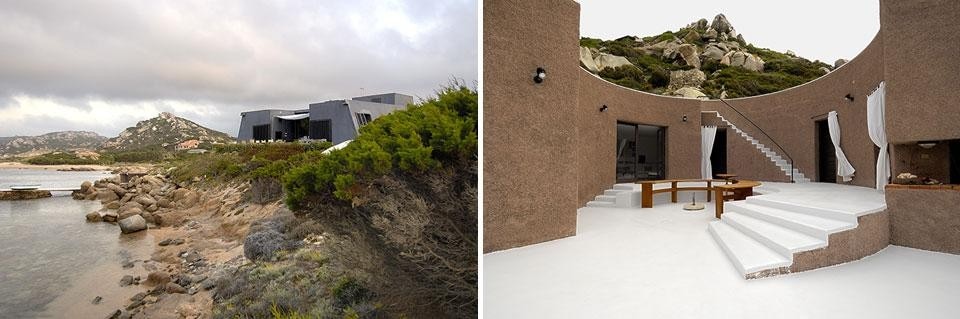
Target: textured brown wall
x=785, y=116
x=933, y=163
x=530, y=162
x=597, y=140
x=924, y=218
x=871, y=235
x=743, y=158
x=922, y=40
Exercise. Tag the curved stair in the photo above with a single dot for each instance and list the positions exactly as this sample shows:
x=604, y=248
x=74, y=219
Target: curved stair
x=762, y=236
x=771, y=155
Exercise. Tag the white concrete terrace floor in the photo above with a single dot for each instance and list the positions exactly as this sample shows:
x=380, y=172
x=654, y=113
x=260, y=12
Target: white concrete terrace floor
x=661, y=262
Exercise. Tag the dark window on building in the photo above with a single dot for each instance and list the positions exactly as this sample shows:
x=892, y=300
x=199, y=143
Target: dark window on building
x=261, y=132
x=376, y=100
x=363, y=119
x=321, y=129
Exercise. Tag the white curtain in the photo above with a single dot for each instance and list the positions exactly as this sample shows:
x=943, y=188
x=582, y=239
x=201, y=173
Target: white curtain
x=707, y=135
x=844, y=169
x=878, y=133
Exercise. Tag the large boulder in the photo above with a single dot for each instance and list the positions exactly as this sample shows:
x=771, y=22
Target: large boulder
x=713, y=52
x=129, y=213
x=586, y=60
x=689, y=78
x=721, y=24
x=85, y=187
x=117, y=189
x=94, y=217
x=605, y=60
x=689, y=92
x=699, y=24
x=691, y=36
x=670, y=50
x=710, y=34
x=152, y=180
x=110, y=216
x=689, y=54
x=113, y=205
x=145, y=200
x=839, y=63
x=743, y=59
x=132, y=224
x=107, y=196
x=179, y=194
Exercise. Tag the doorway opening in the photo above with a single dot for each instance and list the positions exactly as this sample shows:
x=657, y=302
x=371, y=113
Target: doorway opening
x=641, y=152
x=826, y=157
x=954, y=161
x=718, y=156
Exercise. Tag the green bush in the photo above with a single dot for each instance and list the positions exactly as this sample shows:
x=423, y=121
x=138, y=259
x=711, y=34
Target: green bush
x=419, y=138
x=61, y=158
x=590, y=42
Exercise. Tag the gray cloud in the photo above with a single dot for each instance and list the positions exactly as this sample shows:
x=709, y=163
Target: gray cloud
x=209, y=60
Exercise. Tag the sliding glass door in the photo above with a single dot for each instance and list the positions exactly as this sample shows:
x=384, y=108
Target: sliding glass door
x=640, y=152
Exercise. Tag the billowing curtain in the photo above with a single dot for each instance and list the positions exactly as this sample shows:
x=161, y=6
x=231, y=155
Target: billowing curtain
x=844, y=169
x=878, y=133
x=707, y=135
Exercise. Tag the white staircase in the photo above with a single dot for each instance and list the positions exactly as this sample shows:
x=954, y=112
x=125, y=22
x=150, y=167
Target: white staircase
x=762, y=234
x=775, y=158
x=621, y=195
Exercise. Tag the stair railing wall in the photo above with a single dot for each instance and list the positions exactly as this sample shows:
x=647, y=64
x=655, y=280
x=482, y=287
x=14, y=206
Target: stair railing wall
x=760, y=130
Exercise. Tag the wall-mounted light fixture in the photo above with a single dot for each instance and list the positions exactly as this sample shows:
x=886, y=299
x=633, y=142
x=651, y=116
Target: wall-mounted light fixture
x=603, y=108
x=684, y=117
x=540, y=75
x=848, y=97
x=927, y=144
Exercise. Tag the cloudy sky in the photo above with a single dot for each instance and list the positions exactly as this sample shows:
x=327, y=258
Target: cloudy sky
x=814, y=29
x=102, y=65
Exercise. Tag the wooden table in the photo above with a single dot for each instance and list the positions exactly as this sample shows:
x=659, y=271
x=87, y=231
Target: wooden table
x=647, y=191
x=727, y=177
x=739, y=190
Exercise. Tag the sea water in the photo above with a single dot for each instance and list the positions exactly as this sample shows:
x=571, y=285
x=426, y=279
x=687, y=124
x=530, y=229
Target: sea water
x=47, y=247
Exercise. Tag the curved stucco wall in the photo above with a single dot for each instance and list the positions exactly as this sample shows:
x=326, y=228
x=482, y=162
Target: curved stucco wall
x=597, y=131
x=789, y=117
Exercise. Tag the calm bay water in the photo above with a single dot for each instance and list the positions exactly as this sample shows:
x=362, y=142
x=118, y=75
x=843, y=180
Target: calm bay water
x=46, y=245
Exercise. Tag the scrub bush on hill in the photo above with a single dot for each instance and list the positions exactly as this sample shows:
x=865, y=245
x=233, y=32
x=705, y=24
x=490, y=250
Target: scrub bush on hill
x=420, y=138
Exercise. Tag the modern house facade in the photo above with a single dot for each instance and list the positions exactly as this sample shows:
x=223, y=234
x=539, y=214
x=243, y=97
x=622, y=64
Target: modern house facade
x=538, y=171
x=335, y=121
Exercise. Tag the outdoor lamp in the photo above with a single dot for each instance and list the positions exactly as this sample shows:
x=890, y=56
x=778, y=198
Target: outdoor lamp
x=603, y=108
x=848, y=97
x=540, y=75
x=684, y=117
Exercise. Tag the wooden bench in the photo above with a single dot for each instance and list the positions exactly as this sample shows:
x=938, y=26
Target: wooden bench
x=647, y=191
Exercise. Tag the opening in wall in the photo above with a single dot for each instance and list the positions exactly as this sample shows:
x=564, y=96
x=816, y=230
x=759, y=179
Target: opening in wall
x=954, y=161
x=718, y=156
x=641, y=152
x=826, y=157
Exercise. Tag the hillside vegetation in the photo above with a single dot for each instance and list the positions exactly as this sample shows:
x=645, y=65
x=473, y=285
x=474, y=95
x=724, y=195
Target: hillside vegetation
x=383, y=228
x=701, y=59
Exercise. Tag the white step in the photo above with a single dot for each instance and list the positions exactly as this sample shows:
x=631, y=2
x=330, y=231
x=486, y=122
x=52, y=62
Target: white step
x=815, y=226
x=606, y=198
x=748, y=255
x=804, y=209
x=625, y=187
x=600, y=204
x=784, y=241
x=612, y=192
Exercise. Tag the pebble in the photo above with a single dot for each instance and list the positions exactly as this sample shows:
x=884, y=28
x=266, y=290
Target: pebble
x=128, y=264
x=116, y=314
x=126, y=281
x=165, y=242
x=96, y=301
x=135, y=304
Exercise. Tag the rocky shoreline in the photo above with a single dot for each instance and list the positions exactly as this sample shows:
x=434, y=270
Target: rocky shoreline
x=198, y=236
x=24, y=195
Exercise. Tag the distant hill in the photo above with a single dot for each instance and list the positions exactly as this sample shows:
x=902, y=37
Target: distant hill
x=701, y=59
x=23, y=146
x=165, y=131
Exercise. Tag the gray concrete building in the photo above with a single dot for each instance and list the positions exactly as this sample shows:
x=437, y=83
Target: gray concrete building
x=335, y=121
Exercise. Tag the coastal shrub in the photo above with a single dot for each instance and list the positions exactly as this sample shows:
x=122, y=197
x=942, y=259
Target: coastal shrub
x=590, y=42
x=418, y=138
x=62, y=158
x=151, y=154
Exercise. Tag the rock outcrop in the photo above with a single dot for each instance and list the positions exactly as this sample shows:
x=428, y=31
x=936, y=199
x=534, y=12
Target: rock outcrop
x=689, y=78
x=743, y=59
x=839, y=63
x=132, y=224
x=164, y=131
x=24, y=146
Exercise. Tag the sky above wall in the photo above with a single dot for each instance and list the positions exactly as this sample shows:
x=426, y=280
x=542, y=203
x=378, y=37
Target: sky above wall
x=104, y=65
x=814, y=29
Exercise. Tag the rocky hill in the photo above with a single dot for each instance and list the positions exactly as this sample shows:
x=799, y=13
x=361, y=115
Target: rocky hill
x=700, y=60
x=22, y=146
x=166, y=131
